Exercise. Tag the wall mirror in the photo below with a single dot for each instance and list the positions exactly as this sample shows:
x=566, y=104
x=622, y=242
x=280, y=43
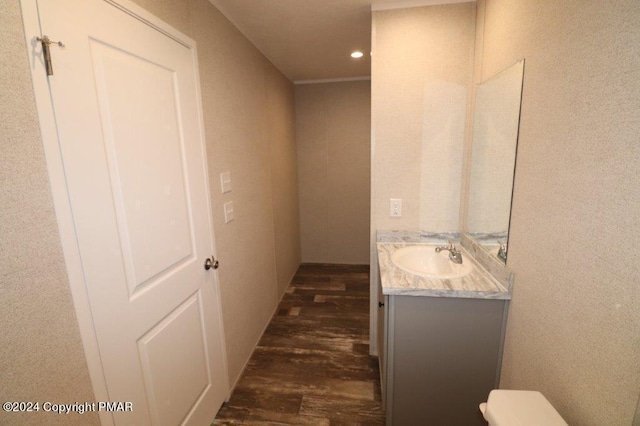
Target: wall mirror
x=493, y=157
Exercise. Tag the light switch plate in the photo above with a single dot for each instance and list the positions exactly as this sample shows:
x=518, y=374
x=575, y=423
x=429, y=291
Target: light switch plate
x=228, y=212
x=225, y=182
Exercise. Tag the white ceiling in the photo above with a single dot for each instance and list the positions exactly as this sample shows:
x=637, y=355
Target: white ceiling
x=312, y=39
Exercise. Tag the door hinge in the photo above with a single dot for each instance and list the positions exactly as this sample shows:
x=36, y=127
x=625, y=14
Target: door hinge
x=47, y=53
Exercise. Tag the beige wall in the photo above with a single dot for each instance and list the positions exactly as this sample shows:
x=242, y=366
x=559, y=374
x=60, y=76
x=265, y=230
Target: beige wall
x=333, y=125
x=284, y=176
x=574, y=323
x=248, y=108
x=421, y=72
x=249, y=121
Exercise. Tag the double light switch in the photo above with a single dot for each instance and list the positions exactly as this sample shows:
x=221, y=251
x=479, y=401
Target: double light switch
x=225, y=185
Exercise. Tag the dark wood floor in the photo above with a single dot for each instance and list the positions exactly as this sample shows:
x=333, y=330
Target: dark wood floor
x=312, y=366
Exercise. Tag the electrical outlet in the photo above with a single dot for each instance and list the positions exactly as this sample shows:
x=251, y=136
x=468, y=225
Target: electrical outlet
x=396, y=207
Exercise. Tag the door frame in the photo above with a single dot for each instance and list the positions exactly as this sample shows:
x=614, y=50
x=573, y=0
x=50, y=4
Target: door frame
x=57, y=180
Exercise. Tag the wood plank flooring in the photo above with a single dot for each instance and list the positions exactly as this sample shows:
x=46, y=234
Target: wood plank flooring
x=312, y=365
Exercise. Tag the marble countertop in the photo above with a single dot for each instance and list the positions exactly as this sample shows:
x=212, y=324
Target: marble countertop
x=479, y=284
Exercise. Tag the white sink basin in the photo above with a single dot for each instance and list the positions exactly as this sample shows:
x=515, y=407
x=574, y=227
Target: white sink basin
x=424, y=261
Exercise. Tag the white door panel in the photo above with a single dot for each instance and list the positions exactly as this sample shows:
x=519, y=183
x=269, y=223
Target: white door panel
x=139, y=106
x=127, y=112
x=164, y=351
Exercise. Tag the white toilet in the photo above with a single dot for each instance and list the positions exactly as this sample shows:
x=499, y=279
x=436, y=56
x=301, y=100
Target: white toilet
x=519, y=408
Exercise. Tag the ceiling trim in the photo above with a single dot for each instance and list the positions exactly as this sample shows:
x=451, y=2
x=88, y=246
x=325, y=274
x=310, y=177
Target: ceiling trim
x=333, y=80
x=414, y=3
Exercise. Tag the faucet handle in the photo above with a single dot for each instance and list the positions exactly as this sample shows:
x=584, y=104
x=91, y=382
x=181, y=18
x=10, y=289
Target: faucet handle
x=502, y=251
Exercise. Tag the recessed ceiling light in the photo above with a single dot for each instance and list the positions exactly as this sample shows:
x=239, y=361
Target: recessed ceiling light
x=357, y=54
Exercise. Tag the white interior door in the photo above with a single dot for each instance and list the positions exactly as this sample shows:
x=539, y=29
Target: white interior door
x=128, y=117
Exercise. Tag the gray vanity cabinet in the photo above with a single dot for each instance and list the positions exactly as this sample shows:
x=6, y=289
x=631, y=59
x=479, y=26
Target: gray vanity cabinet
x=440, y=358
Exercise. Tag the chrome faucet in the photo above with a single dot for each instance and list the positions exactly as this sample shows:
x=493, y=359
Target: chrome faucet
x=455, y=255
x=502, y=252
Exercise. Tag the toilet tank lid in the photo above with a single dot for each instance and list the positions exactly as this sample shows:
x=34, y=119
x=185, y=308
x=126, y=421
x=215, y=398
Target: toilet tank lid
x=520, y=408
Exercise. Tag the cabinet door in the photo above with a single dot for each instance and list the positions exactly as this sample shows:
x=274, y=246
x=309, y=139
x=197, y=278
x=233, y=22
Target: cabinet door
x=443, y=356
x=382, y=344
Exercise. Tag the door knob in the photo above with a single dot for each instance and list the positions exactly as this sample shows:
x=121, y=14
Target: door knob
x=211, y=262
